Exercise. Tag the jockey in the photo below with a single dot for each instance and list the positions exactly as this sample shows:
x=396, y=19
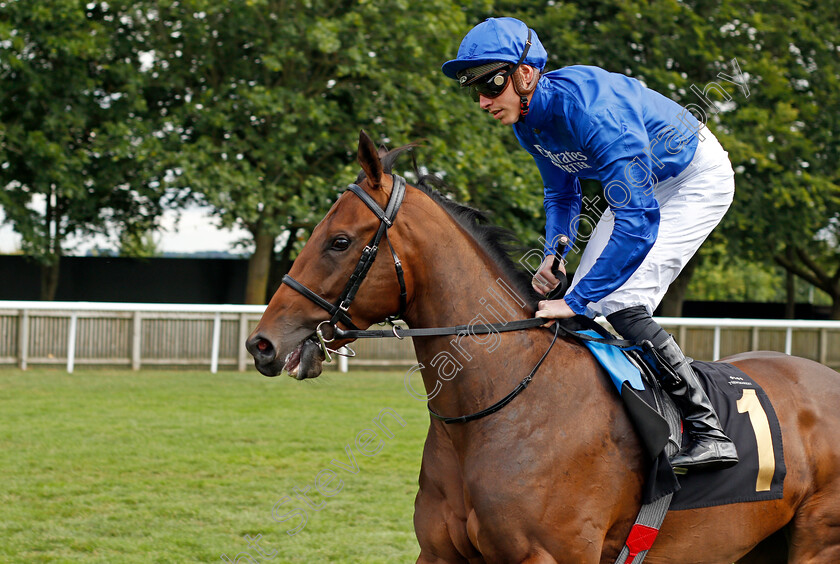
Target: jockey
x=666, y=179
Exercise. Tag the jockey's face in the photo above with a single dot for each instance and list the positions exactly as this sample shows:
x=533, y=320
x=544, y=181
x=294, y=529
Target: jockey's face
x=506, y=107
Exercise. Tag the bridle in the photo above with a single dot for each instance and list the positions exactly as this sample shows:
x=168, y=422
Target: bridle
x=338, y=310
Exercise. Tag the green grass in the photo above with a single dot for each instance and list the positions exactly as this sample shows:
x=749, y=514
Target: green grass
x=115, y=466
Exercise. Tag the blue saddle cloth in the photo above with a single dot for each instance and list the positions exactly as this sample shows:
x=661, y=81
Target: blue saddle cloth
x=617, y=365
x=746, y=414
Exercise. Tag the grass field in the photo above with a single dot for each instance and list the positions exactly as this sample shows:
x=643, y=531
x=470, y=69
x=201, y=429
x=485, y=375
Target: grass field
x=115, y=466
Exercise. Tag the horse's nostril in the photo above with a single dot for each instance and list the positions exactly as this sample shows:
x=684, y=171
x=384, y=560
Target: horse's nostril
x=260, y=347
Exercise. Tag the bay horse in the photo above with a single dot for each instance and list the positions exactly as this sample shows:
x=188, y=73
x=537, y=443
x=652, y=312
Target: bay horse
x=556, y=475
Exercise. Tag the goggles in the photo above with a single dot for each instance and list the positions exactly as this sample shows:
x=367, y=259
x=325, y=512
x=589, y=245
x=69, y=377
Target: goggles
x=490, y=83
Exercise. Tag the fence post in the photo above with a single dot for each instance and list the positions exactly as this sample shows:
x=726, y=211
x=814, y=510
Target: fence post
x=23, y=338
x=342, y=360
x=755, y=339
x=214, y=354
x=243, y=336
x=71, y=342
x=136, y=341
x=824, y=346
x=716, y=345
x=788, y=340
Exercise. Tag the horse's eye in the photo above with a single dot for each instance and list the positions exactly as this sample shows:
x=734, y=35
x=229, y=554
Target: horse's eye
x=340, y=244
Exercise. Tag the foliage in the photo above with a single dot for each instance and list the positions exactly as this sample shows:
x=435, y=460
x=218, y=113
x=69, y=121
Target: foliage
x=73, y=140
x=783, y=140
x=729, y=278
x=779, y=128
x=254, y=108
x=268, y=119
x=141, y=244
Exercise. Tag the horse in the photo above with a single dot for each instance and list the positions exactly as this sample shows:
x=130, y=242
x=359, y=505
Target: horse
x=557, y=474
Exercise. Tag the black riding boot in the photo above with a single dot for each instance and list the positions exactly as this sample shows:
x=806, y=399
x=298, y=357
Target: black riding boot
x=708, y=448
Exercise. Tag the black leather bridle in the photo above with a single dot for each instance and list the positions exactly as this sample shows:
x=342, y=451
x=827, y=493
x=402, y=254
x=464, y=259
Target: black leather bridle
x=339, y=314
x=338, y=310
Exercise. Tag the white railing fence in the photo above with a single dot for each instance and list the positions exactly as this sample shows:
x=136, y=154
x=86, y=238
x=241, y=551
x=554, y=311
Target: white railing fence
x=137, y=335
x=91, y=333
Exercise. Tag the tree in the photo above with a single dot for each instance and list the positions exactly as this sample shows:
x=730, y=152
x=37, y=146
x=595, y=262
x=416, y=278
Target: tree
x=269, y=98
x=138, y=244
x=72, y=137
x=784, y=141
x=779, y=125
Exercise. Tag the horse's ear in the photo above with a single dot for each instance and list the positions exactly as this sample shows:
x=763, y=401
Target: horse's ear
x=369, y=159
x=383, y=150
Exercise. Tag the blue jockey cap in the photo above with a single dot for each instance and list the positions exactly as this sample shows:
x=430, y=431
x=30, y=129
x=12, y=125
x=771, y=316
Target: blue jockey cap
x=493, y=40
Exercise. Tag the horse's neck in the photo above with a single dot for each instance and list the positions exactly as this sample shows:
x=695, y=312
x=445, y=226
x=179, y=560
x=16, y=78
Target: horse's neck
x=459, y=284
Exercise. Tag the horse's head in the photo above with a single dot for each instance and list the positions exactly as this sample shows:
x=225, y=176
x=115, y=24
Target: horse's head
x=320, y=289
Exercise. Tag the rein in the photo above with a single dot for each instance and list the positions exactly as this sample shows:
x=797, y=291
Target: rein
x=339, y=310
x=482, y=329
x=505, y=400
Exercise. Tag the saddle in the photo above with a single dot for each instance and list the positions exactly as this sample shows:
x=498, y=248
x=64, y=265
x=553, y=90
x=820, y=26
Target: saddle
x=745, y=411
x=758, y=476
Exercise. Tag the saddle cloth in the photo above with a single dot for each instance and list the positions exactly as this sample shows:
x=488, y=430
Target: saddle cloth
x=746, y=414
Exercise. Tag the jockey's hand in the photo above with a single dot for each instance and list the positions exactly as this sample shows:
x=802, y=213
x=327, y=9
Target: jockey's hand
x=554, y=309
x=544, y=280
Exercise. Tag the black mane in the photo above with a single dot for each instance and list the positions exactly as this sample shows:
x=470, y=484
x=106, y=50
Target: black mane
x=498, y=242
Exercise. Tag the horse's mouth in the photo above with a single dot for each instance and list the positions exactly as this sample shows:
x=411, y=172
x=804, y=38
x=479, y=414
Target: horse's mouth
x=305, y=360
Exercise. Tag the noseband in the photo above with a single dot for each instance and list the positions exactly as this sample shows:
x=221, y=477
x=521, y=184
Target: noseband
x=338, y=310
